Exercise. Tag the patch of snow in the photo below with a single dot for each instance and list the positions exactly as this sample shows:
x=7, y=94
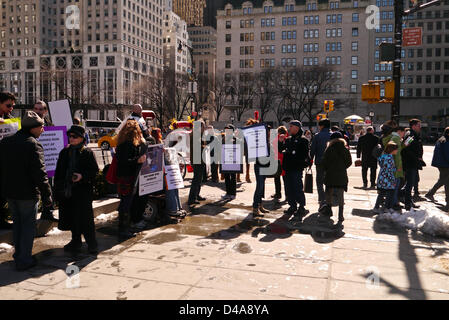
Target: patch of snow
x=432, y=222
x=355, y=237
x=324, y=267
x=53, y=232
x=4, y=247
x=105, y=217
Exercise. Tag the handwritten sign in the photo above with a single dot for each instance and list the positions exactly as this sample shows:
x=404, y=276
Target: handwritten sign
x=173, y=173
x=53, y=140
x=151, y=174
x=256, y=139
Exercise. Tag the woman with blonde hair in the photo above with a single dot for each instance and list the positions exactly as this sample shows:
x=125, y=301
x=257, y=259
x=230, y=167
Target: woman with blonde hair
x=130, y=153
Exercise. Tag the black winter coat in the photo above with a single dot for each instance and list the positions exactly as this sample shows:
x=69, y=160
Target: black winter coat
x=296, y=153
x=365, y=148
x=127, y=155
x=412, y=153
x=79, y=206
x=22, y=168
x=336, y=160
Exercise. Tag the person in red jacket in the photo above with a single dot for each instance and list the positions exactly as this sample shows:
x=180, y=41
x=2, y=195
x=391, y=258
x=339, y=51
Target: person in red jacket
x=277, y=177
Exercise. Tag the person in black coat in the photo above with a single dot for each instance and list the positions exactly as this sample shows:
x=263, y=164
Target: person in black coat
x=76, y=170
x=365, y=148
x=412, y=160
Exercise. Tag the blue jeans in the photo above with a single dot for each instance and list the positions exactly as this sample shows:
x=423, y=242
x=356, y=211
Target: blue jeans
x=294, y=189
x=172, y=202
x=411, y=178
x=396, y=192
x=24, y=229
x=260, y=187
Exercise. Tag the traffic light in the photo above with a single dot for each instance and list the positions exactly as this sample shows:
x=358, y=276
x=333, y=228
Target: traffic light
x=326, y=106
x=371, y=92
x=331, y=105
x=320, y=117
x=389, y=90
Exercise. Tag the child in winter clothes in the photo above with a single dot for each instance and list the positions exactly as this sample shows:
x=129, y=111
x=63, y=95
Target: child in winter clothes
x=386, y=181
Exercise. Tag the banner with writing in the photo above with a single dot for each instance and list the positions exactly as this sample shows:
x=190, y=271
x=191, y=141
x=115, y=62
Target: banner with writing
x=53, y=140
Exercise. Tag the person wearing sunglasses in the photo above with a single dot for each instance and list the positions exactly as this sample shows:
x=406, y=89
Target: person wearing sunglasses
x=23, y=180
x=75, y=173
x=7, y=100
x=40, y=107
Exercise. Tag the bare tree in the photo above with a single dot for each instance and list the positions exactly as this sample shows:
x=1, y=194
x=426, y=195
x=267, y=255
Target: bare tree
x=266, y=90
x=221, y=91
x=243, y=87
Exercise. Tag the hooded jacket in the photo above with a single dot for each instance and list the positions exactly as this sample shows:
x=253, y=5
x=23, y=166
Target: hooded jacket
x=441, y=153
x=386, y=179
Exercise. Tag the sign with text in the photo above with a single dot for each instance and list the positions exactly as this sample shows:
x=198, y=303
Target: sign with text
x=231, y=156
x=411, y=37
x=256, y=139
x=151, y=174
x=53, y=140
x=60, y=113
x=9, y=127
x=172, y=171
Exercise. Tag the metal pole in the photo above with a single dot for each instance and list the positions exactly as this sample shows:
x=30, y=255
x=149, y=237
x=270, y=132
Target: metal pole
x=398, y=14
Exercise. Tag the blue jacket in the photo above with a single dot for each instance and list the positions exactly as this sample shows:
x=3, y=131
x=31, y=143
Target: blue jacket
x=319, y=144
x=441, y=153
x=386, y=179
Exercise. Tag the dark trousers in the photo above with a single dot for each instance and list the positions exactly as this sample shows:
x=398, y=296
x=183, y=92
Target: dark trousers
x=320, y=183
x=278, y=186
x=415, y=187
x=443, y=180
x=24, y=229
x=335, y=197
x=385, y=196
x=3, y=211
x=124, y=211
x=260, y=187
x=411, y=176
x=373, y=170
x=231, y=183
x=84, y=225
x=214, y=171
x=294, y=189
x=195, y=188
x=138, y=207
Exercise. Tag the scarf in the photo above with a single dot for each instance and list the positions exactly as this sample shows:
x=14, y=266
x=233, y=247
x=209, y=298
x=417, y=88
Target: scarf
x=72, y=167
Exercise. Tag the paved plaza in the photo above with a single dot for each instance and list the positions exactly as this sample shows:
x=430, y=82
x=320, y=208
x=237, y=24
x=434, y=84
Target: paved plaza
x=220, y=252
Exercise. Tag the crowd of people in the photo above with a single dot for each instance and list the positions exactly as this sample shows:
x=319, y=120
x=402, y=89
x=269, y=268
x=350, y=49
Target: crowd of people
x=24, y=183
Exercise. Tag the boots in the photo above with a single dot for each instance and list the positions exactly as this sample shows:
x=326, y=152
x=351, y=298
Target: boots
x=256, y=213
x=262, y=209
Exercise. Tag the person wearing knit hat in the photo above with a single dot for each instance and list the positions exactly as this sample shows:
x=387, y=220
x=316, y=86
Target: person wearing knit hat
x=23, y=180
x=77, y=130
x=336, y=135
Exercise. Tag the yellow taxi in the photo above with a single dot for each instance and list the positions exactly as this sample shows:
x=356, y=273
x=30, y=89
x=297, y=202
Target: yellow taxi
x=108, y=141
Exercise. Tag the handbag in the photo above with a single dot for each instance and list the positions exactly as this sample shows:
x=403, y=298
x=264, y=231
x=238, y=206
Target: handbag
x=111, y=176
x=358, y=163
x=308, y=181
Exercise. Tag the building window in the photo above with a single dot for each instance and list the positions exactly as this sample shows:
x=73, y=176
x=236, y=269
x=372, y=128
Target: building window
x=354, y=74
x=353, y=88
x=228, y=37
x=355, y=17
x=228, y=24
x=355, y=46
x=228, y=51
x=355, y=32
x=228, y=64
x=354, y=60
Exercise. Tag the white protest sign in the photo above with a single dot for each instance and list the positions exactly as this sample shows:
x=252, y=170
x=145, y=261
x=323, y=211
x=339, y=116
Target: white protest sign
x=9, y=127
x=53, y=140
x=231, y=158
x=60, y=113
x=173, y=173
x=151, y=174
x=256, y=139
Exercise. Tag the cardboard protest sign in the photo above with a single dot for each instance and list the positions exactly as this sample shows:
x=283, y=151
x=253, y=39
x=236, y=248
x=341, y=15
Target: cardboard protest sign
x=53, y=140
x=151, y=174
x=173, y=175
x=9, y=127
x=256, y=140
x=60, y=113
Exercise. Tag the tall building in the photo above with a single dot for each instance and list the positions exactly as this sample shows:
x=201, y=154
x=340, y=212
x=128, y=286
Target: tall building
x=210, y=13
x=45, y=54
x=264, y=33
x=204, y=42
x=191, y=11
x=176, y=43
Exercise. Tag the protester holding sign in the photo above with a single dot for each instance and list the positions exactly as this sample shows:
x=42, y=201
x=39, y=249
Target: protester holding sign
x=130, y=153
x=7, y=101
x=23, y=178
x=75, y=174
x=231, y=164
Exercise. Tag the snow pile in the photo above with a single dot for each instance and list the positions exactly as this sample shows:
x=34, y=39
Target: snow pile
x=434, y=222
x=105, y=217
x=53, y=232
x=4, y=247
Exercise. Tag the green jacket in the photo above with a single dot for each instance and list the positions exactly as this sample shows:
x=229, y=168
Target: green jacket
x=397, y=158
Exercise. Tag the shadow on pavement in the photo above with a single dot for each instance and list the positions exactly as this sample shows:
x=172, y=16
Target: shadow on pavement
x=363, y=213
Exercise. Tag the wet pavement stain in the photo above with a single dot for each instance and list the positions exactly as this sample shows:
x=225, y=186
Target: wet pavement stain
x=164, y=237
x=242, y=248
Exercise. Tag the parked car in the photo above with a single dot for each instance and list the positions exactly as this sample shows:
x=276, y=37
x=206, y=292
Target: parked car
x=108, y=141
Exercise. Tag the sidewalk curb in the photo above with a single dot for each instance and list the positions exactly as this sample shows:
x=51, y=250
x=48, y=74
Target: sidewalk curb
x=103, y=206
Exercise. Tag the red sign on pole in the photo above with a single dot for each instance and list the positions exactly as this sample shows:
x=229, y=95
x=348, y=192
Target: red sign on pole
x=411, y=37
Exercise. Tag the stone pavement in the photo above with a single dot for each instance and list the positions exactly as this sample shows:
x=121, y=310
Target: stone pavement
x=220, y=252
